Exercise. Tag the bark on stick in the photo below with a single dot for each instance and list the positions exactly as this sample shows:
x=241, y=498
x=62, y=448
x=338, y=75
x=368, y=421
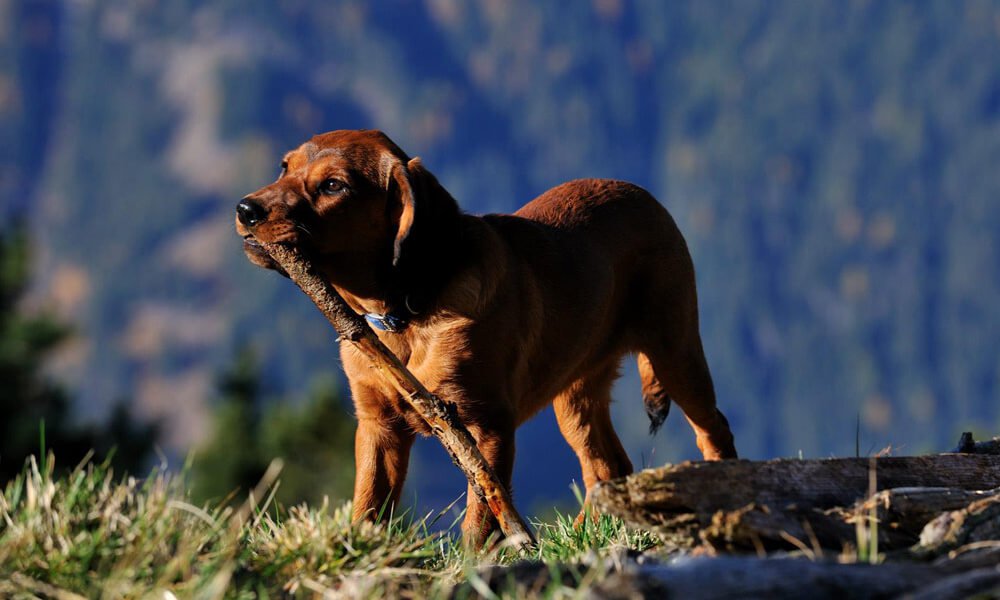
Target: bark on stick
x=440, y=416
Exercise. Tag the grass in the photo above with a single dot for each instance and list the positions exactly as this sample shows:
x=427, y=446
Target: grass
x=866, y=526
x=564, y=540
x=90, y=534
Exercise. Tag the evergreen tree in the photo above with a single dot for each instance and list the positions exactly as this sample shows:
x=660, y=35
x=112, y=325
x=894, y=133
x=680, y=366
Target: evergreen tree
x=33, y=406
x=315, y=441
x=232, y=460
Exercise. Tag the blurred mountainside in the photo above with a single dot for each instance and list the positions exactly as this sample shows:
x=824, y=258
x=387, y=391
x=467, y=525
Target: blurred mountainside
x=834, y=165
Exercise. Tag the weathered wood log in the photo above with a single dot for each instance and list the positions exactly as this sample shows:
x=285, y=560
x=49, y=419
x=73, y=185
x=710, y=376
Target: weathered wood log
x=762, y=529
x=978, y=524
x=710, y=578
x=774, y=578
x=440, y=416
x=654, y=496
x=899, y=517
x=902, y=513
x=980, y=583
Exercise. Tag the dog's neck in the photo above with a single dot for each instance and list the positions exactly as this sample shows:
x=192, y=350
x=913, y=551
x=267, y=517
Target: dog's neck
x=370, y=285
x=357, y=278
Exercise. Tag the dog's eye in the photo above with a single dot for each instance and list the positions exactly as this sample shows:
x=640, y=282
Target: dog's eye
x=332, y=186
x=284, y=168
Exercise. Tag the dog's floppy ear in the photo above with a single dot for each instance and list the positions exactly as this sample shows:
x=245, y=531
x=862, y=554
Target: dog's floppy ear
x=423, y=252
x=403, y=185
x=427, y=218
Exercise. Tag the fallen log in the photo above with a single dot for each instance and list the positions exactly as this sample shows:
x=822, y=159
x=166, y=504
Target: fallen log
x=902, y=513
x=650, y=497
x=762, y=529
x=981, y=583
x=773, y=578
x=976, y=525
x=441, y=417
x=708, y=578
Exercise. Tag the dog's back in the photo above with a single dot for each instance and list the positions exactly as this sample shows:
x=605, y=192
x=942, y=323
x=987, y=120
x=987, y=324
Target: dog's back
x=595, y=205
x=619, y=278
x=608, y=253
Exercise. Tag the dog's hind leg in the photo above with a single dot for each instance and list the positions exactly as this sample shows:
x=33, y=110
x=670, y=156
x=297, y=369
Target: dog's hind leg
x=584, y=416
x=678, y=371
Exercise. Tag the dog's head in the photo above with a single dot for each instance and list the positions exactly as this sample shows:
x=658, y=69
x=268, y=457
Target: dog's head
x=350, y=194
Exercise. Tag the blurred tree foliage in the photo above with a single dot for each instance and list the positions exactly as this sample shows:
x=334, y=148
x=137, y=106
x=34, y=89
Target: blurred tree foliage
x=33, y=406
x=832, y=164
x=314, y=440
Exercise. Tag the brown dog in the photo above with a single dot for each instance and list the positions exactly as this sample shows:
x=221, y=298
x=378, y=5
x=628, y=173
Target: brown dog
x=500, y=314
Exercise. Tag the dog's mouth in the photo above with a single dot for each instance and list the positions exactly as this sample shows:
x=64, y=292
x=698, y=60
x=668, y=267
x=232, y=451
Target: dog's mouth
x=251, y=243
x=258, y=255
x=283, y=230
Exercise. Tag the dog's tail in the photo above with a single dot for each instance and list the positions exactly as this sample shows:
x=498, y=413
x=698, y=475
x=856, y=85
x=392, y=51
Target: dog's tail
x=654, y=397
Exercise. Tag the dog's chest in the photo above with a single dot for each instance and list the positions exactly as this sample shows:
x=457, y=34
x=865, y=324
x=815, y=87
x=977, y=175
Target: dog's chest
x=433, y=358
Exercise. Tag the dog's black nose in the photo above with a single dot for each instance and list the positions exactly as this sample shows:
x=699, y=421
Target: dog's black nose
x=250, y=213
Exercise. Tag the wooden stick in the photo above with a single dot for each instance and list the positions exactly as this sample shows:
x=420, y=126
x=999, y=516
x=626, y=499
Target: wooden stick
x=440, y=416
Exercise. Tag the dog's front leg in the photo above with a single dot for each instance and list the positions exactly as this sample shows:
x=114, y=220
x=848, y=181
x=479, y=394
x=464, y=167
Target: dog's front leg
x=381, y=456
x=496, y=443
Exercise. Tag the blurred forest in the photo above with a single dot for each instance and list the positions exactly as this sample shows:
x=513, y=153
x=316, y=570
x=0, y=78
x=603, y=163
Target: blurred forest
x=37, y=414
x=833, y=165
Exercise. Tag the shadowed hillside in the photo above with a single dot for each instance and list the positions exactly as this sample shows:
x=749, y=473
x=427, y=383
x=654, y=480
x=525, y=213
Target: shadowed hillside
x=832, y=164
